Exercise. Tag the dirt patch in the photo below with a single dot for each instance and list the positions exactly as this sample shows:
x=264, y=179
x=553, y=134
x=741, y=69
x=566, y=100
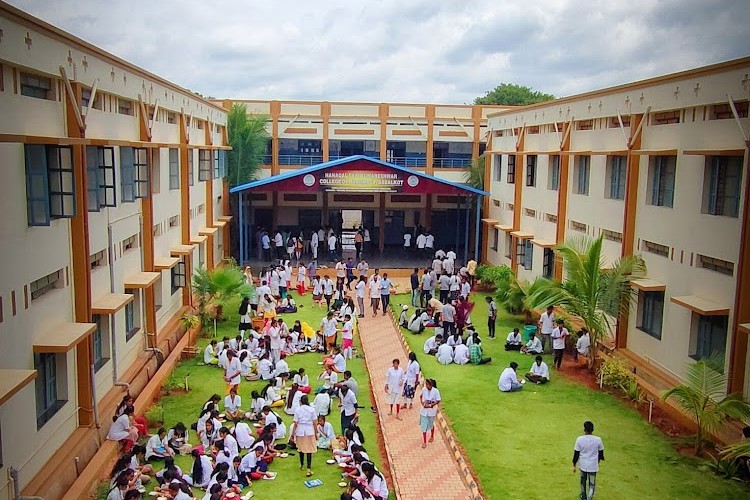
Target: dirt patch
x=578, y=372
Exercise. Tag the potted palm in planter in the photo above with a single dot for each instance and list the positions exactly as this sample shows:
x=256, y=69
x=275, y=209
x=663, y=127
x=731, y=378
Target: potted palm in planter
x=215, y=287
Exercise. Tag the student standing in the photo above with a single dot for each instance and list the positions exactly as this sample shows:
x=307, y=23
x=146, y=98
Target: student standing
x=414, y=279
x=303, y=433
x=587, y=453
x=358, y=239
x=347, y=337
x=449, y=318
x=430, y=398
x=233, y=372
x=491, y=316
x=421, y=244
x=314, y=242
x=348, y=407
x=407, y=243
x=559, y=336
x=546, y=325
x=328, y=290
x=375, y=294
x=428, y=285
x=359, y=289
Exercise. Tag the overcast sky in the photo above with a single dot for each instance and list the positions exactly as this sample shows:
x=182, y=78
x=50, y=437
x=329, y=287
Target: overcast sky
x=446, y=51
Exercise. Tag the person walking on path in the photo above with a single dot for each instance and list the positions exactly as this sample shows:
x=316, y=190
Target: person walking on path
x=374, y=286
x=385, y=293
x=359, y=289
x=491, y=317
x=394, y=382
x=430, y=398
x=587, y=453
x=411, y=381
x=302, y=433
x=559, y=336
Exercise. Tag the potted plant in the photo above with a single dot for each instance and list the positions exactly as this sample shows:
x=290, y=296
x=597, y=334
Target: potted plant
x=192, y=324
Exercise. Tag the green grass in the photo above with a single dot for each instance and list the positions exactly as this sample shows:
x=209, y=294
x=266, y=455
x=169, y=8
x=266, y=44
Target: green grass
x=204, y=381
x=521, y=444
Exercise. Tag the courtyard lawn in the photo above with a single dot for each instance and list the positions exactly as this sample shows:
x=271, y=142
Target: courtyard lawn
x=204, y=381
x=521, y=444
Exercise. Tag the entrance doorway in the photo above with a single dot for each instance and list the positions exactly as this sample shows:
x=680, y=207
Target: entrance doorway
x=351, y=219
x=263, y=217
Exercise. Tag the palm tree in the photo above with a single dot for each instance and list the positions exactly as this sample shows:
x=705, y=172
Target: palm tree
x=517, y=296
x=702, y=396
x=597, y=296
x=216, y=287
x=248, y=137
x=474, y=175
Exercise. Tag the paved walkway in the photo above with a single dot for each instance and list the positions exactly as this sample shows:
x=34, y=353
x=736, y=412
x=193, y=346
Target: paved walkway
x=420, y=474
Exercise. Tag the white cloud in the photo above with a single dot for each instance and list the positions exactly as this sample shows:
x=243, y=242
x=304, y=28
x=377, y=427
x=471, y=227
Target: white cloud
x=417, y=50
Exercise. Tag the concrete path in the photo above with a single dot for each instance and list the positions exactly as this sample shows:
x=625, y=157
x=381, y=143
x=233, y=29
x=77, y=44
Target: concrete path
x=419, y=474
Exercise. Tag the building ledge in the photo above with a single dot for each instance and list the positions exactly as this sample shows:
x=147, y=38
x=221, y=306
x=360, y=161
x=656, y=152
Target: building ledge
x=197, y=240
x=522, y=235
x=701, y=306
x=745, y=327
x=141, y=280
x=504, y=228
x=182, y=250
x=220, y=223
x=225, y=218
x=62, y=338
x=491, y=222
x=206, y=231
x=162, y=263
x=543, y=243
x=649, y=285
x=110, y=303
x=12, y=381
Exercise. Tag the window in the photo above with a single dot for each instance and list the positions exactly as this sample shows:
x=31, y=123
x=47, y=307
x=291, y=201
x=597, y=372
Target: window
x=651, y=247
x=48, y=400
x=37, y=86
x=133, y=173
x=578, y=226
x=520, y=251
x=202, y=208
x=131, y=324
x=724, y=111
x=217, y=165
x=529, y=212
x=45, y=284
x=650, y=313
x=528, y=255
x=191, y=175
x=204, y=164
x=100, y=343
x=86, y=99
x=718, y=265
x=174, y=221
x=174, y=169
x=498, y=162
x=179, y=279
x=662, y=176
x=585, y=125
x=130, y=243
x=508, y=245
x=616, y=168
x=50, y=186
x=582, y=175
x=612, y=235
x=495, y=238
x=551, y=218
x=99, y=259
x=531, y=170
x=721, y=185
x=125, y=107
x=711, y=336
x=553, y=183
x=157, y=230
x=665, y=118
x=511, y=169
x=100, y=177
x=548, y=263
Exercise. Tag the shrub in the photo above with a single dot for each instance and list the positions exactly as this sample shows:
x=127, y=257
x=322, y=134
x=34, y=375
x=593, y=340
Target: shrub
x=155, y=415
x=633, y=391
x=496, y=276
x=615, y=372
x=724, y=466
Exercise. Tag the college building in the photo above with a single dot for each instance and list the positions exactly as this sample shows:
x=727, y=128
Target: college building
x=659, y=169
x=113, y=192
x=438, y=140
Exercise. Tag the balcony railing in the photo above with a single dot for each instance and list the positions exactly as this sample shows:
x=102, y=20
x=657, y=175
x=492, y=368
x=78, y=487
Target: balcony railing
x=408, y=162
x=451, y=162
x=304, y=160
x=267, y=159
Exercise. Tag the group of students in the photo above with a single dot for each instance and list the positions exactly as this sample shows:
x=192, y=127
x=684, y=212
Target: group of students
x=456, y=349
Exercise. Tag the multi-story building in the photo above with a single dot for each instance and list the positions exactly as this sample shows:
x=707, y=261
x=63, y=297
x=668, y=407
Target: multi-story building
x=436, y=139
x=659, y=168
x=113, y=192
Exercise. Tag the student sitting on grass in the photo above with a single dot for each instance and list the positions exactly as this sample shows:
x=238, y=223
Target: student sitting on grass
x=156, y=447
x=418, y=321
x=583, y=344
x=539, y=373
x=177, y=438
x=209, y=354
x=444, y=354
x=460, y=354
x=302, y=380
x=232, y=403
x=325, y=433
x=533, y=346
x=431, y=344
x=514, y=342
x=272, y=395
x=475, y=351
x=403, y=318
x=509, y=382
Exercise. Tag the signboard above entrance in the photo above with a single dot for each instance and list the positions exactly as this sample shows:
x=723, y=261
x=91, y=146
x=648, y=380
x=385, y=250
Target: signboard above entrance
x=357, y=174
x=360, y=180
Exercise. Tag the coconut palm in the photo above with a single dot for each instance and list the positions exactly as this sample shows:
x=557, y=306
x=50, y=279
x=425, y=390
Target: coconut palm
x=474, y=175
x=248, y=137
x=215, y=287
x=703, y=397
x=595, y=295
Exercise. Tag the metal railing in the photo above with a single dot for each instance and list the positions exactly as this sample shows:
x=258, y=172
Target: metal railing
x=402, y=161
x=451, y=162
x=304, y=160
